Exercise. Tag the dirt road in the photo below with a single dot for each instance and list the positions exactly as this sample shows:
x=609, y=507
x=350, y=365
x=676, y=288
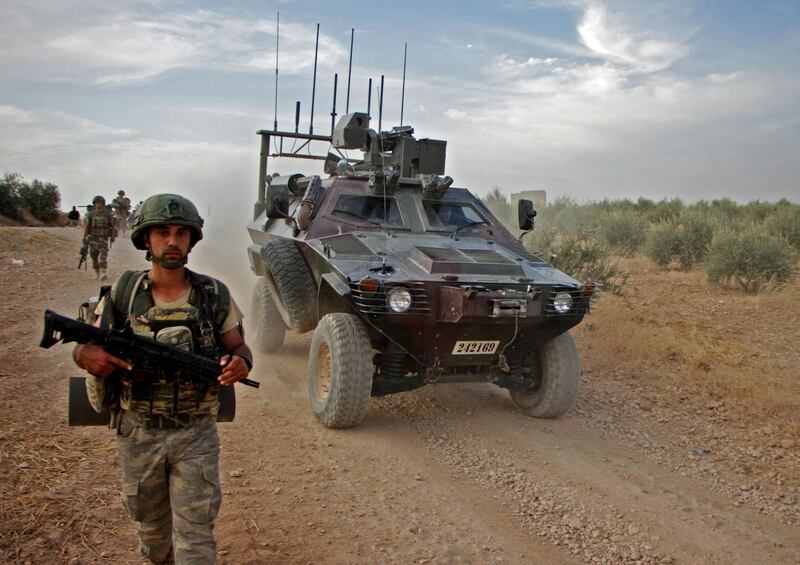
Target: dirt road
x=446, y=474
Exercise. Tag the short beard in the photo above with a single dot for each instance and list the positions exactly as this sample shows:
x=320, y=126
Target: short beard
x=170, y=264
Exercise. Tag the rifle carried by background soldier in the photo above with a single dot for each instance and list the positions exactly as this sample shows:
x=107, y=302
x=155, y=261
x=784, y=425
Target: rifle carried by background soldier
x=84, y=253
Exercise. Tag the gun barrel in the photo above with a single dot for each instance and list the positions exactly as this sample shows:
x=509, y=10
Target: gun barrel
x=138, y=349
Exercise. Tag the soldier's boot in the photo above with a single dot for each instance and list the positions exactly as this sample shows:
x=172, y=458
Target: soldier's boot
x=103, y=275
x=97, y=274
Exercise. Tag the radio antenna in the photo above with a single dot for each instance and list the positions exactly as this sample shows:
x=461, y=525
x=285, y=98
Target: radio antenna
x=277, y=39
x=403, y=92
x=314, y=85
x=333, y=112
x=369, y=98
x=380, y=107
x=349, y=71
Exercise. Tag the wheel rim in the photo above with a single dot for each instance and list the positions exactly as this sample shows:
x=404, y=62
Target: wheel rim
x=322, y=380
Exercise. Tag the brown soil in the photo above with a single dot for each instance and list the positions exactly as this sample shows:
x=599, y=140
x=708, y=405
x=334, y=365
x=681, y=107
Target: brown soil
x=671, y=455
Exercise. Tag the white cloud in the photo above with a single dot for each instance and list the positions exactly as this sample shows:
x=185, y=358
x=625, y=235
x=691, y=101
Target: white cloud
x=129, y=47
x=608, y=36
x=454, y=114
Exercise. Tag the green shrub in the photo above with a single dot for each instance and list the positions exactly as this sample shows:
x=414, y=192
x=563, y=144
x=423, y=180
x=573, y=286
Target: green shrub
x=725, y=210
x=665, y=211
x=9, y=194
x=685, y=240
x=696, y=231
x=751, y=260
x=498, y=204
x=785, y=222
x=581, y=256
x=624, y=230
x=41, y=199
x=663, y=244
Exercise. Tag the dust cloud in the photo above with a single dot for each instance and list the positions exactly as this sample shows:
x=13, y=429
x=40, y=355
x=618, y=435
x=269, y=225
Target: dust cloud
x=223, y=251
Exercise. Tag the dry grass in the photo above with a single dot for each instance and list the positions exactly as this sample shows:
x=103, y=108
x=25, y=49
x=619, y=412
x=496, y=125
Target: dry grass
x=709, y=344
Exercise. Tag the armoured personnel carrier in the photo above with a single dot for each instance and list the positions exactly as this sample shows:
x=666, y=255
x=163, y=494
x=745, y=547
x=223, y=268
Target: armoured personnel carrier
x=405, y=279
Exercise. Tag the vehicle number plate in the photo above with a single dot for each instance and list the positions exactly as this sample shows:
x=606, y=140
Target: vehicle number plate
x=475, y=347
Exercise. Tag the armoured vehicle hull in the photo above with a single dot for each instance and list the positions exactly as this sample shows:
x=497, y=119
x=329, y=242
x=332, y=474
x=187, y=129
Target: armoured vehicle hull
x=417, y=278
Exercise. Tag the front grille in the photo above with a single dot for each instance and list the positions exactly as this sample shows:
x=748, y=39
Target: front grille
x=375, y=302
x=580, y=302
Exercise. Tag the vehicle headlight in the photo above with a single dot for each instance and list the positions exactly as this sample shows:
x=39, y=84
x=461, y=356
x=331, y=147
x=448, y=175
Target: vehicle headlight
x=562, y=302
x=399, y=299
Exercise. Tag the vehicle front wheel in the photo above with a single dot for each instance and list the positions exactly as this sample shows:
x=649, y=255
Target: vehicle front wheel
x=340, y=371
x=557, y=375
x=270, y=329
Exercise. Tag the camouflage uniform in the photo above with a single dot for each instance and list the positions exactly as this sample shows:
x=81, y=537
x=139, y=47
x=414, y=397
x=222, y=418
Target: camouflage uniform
x=166, y=430
x=100, y=230
x=167, y=434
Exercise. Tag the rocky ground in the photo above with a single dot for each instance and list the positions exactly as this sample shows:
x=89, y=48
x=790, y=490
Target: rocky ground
x=639, y=472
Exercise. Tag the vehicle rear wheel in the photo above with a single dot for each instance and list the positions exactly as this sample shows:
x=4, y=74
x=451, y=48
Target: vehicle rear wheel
x=340, y=371
x=558, y=374
x=270, y=329
x=294, y=284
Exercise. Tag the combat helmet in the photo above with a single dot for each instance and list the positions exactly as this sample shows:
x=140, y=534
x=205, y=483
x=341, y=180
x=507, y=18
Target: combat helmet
x=163, y=209
x=97, y=199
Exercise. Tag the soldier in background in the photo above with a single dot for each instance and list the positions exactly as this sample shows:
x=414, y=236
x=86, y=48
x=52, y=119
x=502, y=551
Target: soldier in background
x=99, y=229
x=122, y=207
x=167, y=432
x=74, y=216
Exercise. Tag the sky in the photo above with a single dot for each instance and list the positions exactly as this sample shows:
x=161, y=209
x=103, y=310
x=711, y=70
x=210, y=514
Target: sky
x=587, y=99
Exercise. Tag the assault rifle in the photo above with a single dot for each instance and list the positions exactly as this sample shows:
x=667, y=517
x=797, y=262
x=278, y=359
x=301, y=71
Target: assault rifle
x=84, y=253
x=144, y=354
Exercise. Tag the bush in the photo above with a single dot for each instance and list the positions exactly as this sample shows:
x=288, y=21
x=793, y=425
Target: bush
x=565, y=215
x=665, y=211
x=42, y=200
x=725, y=210
x=624, y=230
x=696, y=231
x=785, y=223
x=686, y=240
x=750, y=260
x=663, y=244
x=9, y=195
x=498, y=204
x=580, y=256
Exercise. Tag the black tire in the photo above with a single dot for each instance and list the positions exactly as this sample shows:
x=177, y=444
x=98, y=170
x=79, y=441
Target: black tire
x=270, y=329
x=559, y=375
x=340, y=371
x=293, y=282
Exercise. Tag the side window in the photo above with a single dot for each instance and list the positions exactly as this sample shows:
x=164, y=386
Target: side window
x=452, y=215
x=372, y=209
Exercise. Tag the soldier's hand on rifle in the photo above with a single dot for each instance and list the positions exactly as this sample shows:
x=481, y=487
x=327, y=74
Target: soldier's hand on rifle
x=97, y=360
x=234, y=369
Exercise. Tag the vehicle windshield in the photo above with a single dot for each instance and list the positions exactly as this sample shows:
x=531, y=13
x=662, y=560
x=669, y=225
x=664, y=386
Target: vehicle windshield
x=373, y=209
x=452, y=215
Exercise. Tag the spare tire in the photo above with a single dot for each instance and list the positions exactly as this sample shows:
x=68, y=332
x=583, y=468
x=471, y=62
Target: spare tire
x=294, y=285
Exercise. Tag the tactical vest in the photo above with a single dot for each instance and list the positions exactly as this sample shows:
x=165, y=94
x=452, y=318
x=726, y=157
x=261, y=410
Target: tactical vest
x=100, y=225
x=192, y=327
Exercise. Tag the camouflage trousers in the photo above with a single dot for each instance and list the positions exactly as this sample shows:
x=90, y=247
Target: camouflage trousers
x=171, y=487
x=98, y=251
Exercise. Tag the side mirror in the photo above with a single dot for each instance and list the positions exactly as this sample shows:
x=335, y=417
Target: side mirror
x=525, y=214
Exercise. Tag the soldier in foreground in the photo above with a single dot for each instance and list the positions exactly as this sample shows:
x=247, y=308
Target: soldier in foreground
x=99, y=230
x=166, y=432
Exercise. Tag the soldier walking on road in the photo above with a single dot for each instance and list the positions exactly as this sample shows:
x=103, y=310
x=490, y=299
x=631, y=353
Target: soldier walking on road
x=74, y=216
x=166, y=431
x=99, y=229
